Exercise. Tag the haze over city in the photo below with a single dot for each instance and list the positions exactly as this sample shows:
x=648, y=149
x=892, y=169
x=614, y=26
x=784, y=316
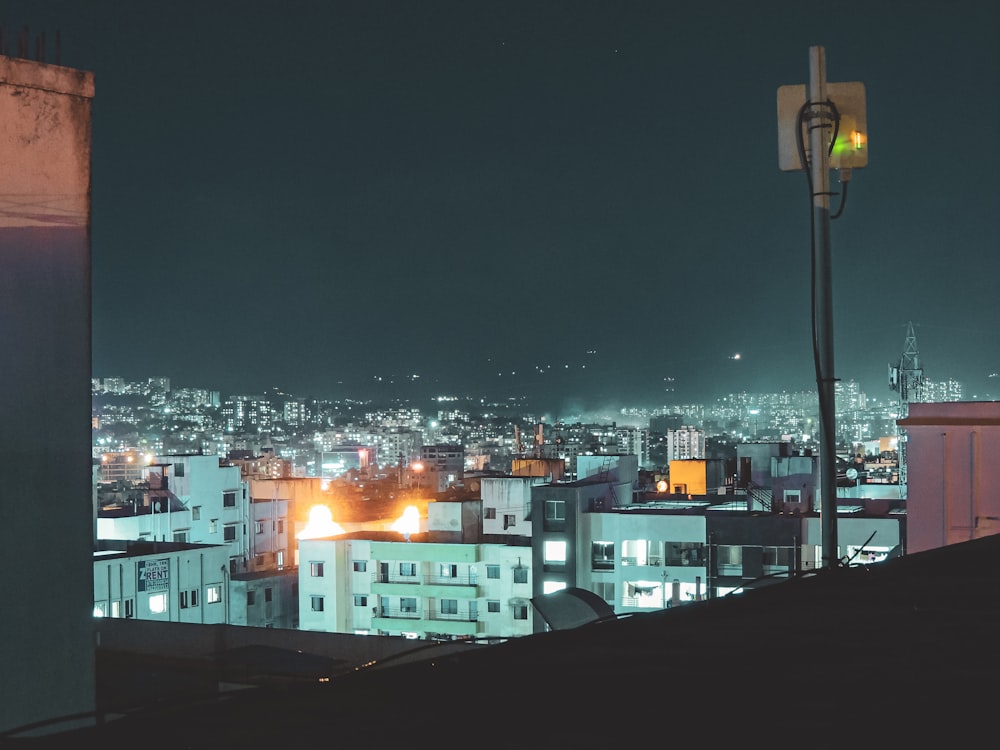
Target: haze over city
x=558, y=200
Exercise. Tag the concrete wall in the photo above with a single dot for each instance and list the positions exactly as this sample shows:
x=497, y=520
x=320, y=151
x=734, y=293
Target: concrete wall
x=47, y=651
x=953, y=471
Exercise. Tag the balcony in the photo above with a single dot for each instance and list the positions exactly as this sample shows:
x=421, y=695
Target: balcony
x=455, y=587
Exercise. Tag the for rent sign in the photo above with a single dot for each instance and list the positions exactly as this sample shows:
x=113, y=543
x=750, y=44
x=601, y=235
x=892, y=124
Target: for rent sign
x=154, y=575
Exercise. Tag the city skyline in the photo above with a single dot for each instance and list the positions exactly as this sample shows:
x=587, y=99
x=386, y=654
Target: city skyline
x=550, y=199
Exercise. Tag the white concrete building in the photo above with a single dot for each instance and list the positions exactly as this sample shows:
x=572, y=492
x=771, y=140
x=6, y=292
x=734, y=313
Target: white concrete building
x=507, y=504
x=162, y=581
x=377, y=583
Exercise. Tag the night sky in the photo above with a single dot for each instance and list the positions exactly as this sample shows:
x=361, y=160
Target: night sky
x=552, y=199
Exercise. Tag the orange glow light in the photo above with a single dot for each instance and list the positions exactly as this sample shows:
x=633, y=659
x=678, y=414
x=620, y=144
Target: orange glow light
x=320, y=524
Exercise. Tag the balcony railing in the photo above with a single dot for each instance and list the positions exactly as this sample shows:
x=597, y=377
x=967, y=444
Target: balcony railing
x=437, y=580
x=399, y=613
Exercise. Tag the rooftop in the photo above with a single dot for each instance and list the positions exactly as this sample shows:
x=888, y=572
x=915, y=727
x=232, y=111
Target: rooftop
x=902, y=651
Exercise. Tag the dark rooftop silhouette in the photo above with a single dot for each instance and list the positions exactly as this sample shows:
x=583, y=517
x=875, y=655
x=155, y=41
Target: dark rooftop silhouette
x=901, y=651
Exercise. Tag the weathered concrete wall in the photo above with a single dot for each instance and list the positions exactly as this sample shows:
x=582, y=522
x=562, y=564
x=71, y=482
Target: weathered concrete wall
x=47, y=651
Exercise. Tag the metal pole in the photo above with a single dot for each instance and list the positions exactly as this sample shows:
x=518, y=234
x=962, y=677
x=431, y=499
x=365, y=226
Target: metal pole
x=820, y=133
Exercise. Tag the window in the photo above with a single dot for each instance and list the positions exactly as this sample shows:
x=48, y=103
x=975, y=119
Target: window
x=251, y=597
x=213, y=594
x=555, y=510
x=129, y=609
x=360, y=566
x=554, y=551
x=605, y=590
x=228, y=499
x=493, y=605
x=258, y=527
x=181, y=536
x=407, y=569
x=100, y=609
x=550, y=587
x=408, y=604
x=449, y=606
x=281, y=525
x=229, y=533
x=520, y=611
x=194, y=597
x=268, y=594
x=316, y=569
x=493, y=571
x=196, y=513
x=158, y=604
x=793, y=496
x=491, y=513
x=509, y=521
x=360, y=600
x=316, y=603
x=116, y=609
x=603, y=555
x=213, y=526
x=520, y=575
x=184, y=599
x=449, y=571
x=178, y=470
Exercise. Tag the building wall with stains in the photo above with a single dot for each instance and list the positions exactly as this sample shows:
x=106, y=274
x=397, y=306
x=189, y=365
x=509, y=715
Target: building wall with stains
x=47, y=650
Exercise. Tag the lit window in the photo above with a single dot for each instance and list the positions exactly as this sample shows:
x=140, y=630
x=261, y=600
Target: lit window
x=213, y=594
x=555, y=551
x=550, y=587
x=101, y=609
x=158, y=604
x=449, y=571
x=316, y=569
x=213, y=526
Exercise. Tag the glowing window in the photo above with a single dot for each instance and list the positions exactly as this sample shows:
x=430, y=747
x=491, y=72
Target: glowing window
x=549, y=587
x=213, y=594
x=158, y=604
x=101, y=609
x=555, y=551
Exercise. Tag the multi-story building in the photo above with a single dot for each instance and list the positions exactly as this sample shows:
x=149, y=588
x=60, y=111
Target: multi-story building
x=388, y=583
x=167, y=581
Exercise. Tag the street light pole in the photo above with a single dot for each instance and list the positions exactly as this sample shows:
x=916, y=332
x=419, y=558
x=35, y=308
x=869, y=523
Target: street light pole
x=821, y=123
